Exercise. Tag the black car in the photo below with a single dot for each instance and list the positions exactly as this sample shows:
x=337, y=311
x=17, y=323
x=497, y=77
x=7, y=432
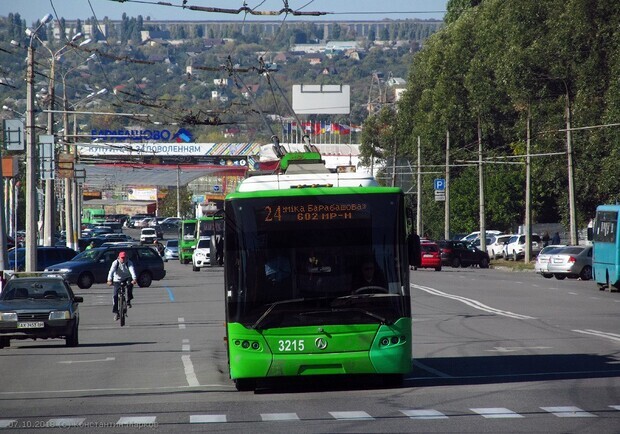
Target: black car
x=46, y=256
x=92, y=266
x=39, y=308
x=462, y=254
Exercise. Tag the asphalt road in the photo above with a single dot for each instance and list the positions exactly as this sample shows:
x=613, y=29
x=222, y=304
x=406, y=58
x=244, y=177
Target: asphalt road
x=493, y=351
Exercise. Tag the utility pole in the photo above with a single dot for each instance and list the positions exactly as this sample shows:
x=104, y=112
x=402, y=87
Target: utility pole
x=446, y=233
x=178, y=191
x=50, y=202
x=31, y=154
x=571, y=178
x=4, y=262
x=71, y=241
x=528, y=191
x=419, y=228
x=483, y=232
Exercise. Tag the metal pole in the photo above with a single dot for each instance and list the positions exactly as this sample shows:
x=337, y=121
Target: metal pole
x=178, y=191
x=75, y=192
x=71, y=241
x=419, y=228
x=50, y=206
x=571, y=177
x=4, y=262
x=483, y=233
x=447, y=203
x=528, y=193
x=31, y=153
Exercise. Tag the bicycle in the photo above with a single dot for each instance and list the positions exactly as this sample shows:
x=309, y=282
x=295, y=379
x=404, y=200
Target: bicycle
x=122, y=300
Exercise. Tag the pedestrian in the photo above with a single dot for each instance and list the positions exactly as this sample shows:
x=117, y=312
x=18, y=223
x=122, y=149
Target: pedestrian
x=556, y=239
x=545, y=239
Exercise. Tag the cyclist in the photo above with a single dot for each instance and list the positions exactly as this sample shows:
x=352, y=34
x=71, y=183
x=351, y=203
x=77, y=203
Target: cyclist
x=121, y=269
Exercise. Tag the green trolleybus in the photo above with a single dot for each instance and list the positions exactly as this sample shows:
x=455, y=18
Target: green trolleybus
x=187, y=240
x=606, y=247
x=299, y=299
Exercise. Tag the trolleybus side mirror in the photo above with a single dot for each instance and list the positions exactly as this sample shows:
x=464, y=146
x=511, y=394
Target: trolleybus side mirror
x=414, y=250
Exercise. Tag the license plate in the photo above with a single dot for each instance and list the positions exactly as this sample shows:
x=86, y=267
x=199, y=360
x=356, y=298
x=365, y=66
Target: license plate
x=31, y=325
x=428, y=256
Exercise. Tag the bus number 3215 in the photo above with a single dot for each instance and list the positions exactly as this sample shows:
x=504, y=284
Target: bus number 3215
x=285, y=345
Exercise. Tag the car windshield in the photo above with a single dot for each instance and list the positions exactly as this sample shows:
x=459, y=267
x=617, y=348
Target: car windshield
x=550, y=249
x=204, y=243
x=172, y=243
x=48, y=289
x=87, y=256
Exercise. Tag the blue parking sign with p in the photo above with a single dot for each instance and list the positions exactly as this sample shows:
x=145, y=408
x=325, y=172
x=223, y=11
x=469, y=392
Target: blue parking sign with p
x=440, y=184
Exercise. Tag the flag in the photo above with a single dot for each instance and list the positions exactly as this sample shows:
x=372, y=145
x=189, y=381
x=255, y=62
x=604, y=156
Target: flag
x=345, y=129
x=336, y=128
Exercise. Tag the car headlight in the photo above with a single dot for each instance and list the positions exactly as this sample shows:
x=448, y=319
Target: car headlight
x=60, y=314
x=8, y=316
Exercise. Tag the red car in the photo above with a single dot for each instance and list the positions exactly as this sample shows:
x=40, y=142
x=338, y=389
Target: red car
x=431, y=256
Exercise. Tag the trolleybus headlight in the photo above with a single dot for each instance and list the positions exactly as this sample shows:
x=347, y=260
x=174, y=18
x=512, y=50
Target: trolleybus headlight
x=394, y=339
x=245, y=344
x=385, y=341
x=255, y=345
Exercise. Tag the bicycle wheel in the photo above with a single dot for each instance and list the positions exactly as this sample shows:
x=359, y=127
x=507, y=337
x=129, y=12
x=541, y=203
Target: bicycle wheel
x=122, y=307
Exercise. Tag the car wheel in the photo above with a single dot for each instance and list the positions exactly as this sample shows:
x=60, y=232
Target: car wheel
x=194, y=268
x=5, y=342
x=514, y=256
x=484, y=263
x=586, y=273
x=437, y=268
x=245, y=384
x=73, y=339
x=456, y=263
x=560, y=276
x=547, y=275
x=145, y=279
x=85, y=280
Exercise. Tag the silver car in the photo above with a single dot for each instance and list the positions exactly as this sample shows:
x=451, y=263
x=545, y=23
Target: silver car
x=542, y=262
x=572, y=261
x=171, y=250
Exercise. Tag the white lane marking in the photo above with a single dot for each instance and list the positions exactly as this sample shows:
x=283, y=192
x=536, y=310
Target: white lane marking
x=431, y=370
x=513, y=349
x=615, y=407
x=185, y=347
x=606, y=335
x=424, y=414
x=192, y=381
x=107, y=359
x=207, y=418
x=181, y=326
x=137, y=420
x=65, y=422
x=351, y=415
x=568, y=412
x=8, y=423
x=267, y=417
x=181, y=319
x=181, y=323
x=473, y=303
x=496, y=413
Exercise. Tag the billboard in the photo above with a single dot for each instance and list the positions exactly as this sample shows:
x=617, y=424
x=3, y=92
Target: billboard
x=142, y=193
x=310, y=99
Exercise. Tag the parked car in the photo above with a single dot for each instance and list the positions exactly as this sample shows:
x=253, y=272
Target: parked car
x=39, y=308
x=92, y=266
x=542, y=261
x=201, y=257
x=475, y=235
x=46, y=256
x=148, y=236
x=169, y=228
x=572, y=261
x=431, y=255
x=174, y=220
x=462, y=254
x=515, y=248
x=495, y=247
x=171, y=250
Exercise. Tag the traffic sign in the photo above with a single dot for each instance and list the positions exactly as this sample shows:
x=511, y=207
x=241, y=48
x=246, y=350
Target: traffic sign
x=440, y=196
x=440, y=184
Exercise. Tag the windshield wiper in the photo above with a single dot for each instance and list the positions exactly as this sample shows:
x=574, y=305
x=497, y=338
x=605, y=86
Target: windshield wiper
x=271, y=307
x=357, y=309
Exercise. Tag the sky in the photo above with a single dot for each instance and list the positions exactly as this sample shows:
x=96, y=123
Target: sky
x=32, y=10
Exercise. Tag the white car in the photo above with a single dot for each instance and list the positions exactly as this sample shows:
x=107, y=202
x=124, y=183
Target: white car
x=515, y=249
x=202, y=254
x=148, y=236
x=542, y=262
x=495, y=248
x=475, y=235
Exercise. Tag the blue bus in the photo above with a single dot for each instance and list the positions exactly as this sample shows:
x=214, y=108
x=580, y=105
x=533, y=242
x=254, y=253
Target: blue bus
x=606, y=252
